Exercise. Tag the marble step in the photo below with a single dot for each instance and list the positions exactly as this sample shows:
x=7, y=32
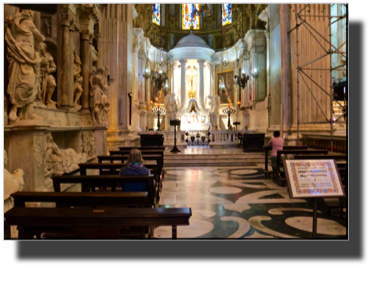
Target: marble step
x=210, y=163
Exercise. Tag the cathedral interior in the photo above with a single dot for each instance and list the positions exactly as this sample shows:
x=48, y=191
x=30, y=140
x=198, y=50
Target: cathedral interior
x=216, y=81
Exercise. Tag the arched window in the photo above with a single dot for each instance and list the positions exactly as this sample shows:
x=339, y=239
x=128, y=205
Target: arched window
x=189, y=17
x=226, y=14
x=156, y=17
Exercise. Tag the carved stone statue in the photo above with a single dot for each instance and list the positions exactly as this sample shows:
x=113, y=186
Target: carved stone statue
x=94, y=58
x=171, y=105
x=78, y=90
x=60, y=161
x=214, y=103
x=98, y=100
x=47, y=84
x=12, y=182
x=23, y=43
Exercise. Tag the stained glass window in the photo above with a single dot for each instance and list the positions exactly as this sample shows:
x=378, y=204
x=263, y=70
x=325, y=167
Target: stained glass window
x=189, y=17
x=226, y=14
x=156, y=17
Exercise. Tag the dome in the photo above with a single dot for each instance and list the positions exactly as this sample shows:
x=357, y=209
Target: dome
x=191, y=40
x=192, y=47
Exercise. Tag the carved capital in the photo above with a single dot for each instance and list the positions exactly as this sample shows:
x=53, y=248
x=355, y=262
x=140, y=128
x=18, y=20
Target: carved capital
x=85, y=35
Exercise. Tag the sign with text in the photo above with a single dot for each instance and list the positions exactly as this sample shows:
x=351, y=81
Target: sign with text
x=313, y=178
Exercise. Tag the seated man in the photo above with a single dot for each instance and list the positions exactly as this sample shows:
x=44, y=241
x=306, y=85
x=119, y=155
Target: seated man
x=134, y=167
x=277, y=143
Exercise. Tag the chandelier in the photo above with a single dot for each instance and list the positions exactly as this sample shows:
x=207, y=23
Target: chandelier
x=160, y=71
x=229, y=111
x=242, y=81
x=158, y=111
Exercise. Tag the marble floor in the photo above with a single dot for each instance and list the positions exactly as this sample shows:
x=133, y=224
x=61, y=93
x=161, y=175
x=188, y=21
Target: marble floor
x=238, y=203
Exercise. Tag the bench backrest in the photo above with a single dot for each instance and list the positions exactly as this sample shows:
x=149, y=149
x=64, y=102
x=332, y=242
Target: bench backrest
x=109, y=222
x=89, y=183
x=297, y=152
x=145, y=148
x=84, y=199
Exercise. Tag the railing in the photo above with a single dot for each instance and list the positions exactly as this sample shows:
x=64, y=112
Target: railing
x=225, y=137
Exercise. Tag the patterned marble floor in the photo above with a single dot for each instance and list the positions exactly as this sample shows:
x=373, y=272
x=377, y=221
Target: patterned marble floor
x=237, y=202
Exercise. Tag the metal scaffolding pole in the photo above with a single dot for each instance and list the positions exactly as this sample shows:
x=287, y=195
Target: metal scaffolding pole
x=300, y=70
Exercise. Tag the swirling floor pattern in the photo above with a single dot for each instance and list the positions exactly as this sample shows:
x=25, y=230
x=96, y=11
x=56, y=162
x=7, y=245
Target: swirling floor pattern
x=238, y=203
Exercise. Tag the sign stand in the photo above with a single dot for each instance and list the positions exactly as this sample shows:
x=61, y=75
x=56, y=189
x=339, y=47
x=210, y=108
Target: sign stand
x=175, y=122
x=313, y=179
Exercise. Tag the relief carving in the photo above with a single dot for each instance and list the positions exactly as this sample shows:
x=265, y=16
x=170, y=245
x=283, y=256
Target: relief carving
x=60, y=161
x=78, y=90
x=88, y=144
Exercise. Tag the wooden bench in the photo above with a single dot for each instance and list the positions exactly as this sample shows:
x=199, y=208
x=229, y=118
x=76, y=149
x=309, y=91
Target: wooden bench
x=144, y=148
x=90, y=182
x=269, y=148
x=84, y=199
x=125, y=151
x=87, y=223
x=341, y=162
x=124, y=159
x=114, y=169
x=276, y=167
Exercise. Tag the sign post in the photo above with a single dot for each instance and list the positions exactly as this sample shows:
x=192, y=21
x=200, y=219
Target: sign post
x=313, y=179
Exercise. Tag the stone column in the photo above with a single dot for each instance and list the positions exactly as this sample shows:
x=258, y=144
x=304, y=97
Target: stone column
x=201, y=83
x=285, y=66
x=135, y=63
x=183, y=84
x=70, y=93
x=267, y=36
x=85, y=58
x=65, y=66
x=171, y=82
x=99, y=40
x=147, y=90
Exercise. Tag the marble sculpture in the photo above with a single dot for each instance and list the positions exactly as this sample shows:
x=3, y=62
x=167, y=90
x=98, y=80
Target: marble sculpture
x=47, y=84
x=99, y=103
x=78, y=90
x=23, y=42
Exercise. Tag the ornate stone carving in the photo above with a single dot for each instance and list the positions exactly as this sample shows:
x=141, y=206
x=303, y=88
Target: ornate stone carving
x=94, y=57
x=47, y=83
x=78, y=90
x=23, y=42
x=39, y=155
x=60, y=161
x=214, y=103
x=12, y=182
x=88, y=144
x=99, y=103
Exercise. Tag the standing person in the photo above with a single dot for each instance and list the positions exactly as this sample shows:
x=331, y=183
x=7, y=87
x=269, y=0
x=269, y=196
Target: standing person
x=134, y=167
x=277, y=143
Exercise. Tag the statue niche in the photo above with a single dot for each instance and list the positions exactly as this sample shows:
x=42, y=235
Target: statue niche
x=23, y=42
x=78, y=90
x=47, y=83
x=99, y=103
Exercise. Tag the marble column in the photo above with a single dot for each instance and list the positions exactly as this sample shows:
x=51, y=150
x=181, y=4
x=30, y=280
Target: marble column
x=85, y=58
x=201, y=83
x=147, y=90
x=70, y=93
x=135, y=84
x=183, y=84
x=267, y=36
x=171, y=82
x=65, y=59
x=99, y=40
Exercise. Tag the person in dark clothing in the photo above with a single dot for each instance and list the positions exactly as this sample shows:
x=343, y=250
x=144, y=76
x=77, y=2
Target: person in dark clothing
x=135, y=167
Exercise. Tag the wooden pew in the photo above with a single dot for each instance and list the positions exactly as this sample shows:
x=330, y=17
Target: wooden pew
x=89, y=183
x=84, y=199
x=269, y=148
x=341, y=162
x=87, y=223
x=145, y=148
x=114, y=169
x=276, y=168
x=125, y=151
x=124, y=159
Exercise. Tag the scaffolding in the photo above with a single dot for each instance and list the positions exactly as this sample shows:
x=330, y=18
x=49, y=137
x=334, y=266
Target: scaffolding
x=303, y=70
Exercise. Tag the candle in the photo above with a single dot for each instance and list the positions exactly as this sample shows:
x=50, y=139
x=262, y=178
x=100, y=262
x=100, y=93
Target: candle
x=151, y=102
x=229, y=104
x=158, y=104
x=239, y=103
